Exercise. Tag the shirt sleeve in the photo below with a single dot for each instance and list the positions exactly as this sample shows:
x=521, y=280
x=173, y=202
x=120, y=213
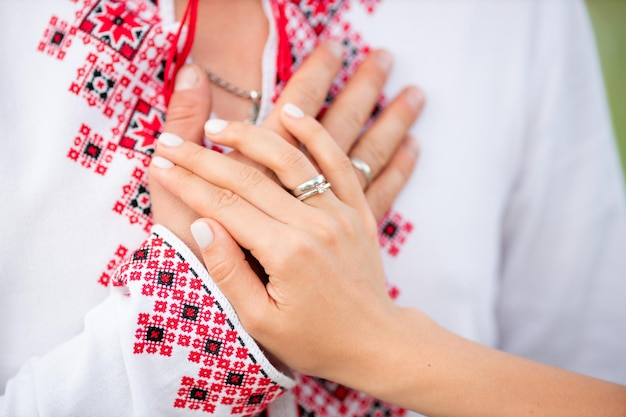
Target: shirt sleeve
x=166, y=342
x=564, y=240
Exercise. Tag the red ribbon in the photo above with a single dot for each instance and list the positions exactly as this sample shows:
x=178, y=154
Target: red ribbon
x=284, y=60
x=176, y=57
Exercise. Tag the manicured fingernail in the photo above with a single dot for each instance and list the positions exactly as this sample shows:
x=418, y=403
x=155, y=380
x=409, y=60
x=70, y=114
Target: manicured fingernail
x=170, y=139
x=162, y=162
x=215, y=126
x=202, y=233
x=293, y=111
x=187, y=78
x=414, y=97
x=335, y=47
x=384, y=59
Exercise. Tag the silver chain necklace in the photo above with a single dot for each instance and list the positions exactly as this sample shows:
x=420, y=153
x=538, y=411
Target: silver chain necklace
x=252, y=95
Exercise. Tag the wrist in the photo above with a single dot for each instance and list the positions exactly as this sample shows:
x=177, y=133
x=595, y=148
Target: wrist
x=384, y=359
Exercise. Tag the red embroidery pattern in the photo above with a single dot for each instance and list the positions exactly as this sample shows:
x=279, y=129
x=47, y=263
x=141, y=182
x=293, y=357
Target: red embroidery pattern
x=92, y=151
x=186, y=316
x=116, y=26
x=57, y=38
x=393, y=291
x=370, y=5
x=122, y=76
x=135, y=201
x=393, y=231
x=120, y=255
x=309, y=21
x=143, y=128
x=318, y=397
x=306, y=22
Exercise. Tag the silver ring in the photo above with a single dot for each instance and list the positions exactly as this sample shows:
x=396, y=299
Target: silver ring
x=309, y=185
x=319, y=189
x=365, y=169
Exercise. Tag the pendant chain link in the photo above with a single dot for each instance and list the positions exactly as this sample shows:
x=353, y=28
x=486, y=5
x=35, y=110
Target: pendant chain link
x=252, y=95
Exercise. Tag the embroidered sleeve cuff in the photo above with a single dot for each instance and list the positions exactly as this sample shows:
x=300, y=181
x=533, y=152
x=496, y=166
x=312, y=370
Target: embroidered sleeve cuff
x=186, y=344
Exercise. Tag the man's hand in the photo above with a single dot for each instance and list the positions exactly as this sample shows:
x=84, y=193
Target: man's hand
x=385, y=146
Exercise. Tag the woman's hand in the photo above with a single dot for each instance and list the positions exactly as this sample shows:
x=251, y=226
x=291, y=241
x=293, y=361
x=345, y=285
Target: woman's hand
x=329, y=240
x=385, y=146
x=325, y=310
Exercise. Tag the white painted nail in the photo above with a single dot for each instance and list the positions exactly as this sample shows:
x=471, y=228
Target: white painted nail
x=293, y=111
x=215, y=126
x=162, y=162
x=170, y=139
x=202, y=233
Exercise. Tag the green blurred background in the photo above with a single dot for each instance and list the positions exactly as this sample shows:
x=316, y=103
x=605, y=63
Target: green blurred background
x=609, y=21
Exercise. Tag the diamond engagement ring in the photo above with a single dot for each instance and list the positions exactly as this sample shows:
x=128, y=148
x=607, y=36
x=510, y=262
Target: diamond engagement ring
x=309, y=185
x=319, y=189
x=316, y=185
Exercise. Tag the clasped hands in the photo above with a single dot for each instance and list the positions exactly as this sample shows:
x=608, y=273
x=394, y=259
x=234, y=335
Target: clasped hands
x=325, y=278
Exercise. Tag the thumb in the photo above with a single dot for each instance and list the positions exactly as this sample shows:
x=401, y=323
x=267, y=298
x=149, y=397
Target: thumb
x=229, y=269
x=190, y=104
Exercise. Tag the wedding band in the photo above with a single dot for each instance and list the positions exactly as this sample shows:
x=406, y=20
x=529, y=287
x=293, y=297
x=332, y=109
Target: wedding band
x=314, y=182
x=365, y=169
x=319, y=189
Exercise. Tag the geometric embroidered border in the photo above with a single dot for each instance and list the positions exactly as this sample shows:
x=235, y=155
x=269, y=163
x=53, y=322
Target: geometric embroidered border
x=308, y=22
x=185, y=315
x=113, y=264
x=322, y=398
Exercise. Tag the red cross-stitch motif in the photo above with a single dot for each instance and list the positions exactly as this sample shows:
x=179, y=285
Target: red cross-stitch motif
x=92, y=151
x=122, y=76
x=305, y=23
x=116, y=26
x=185, y=315
x=135, y=200
x=114, y=263
x=99, y=84
x=143, y=128
x=57, y=38
x=393, y=230
x=321, y=398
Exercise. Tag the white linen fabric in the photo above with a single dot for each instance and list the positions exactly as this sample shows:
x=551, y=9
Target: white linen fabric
x=512, y=231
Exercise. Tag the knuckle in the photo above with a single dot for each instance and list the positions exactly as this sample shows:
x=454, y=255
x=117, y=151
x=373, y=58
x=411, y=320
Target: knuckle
x=249, y=178
x=224, y=199
x=258, y=326
x=353, y=119
x=329, y=230
x=297, y=245
x=186, y=188
x=223, y=270
x=182, y=115
x=292, y=160
x=307, y=94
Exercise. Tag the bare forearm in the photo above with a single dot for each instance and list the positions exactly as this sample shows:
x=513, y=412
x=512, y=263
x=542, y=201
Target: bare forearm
x=432, y=371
